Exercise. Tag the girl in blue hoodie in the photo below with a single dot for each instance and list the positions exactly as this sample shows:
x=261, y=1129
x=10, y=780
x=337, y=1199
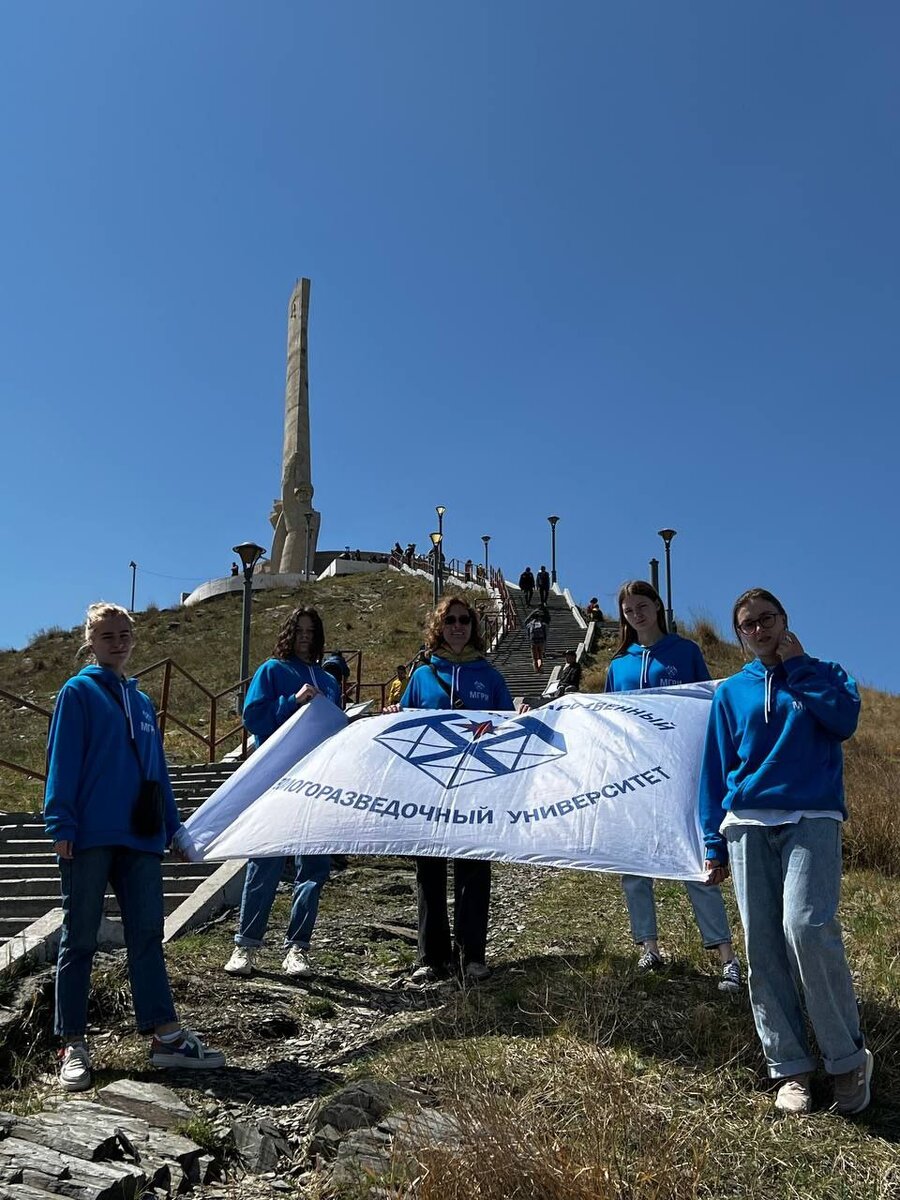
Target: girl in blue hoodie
x=772, y=805
x=648, y=656
x=456, y=676
x=284, y=682
x=110, y=811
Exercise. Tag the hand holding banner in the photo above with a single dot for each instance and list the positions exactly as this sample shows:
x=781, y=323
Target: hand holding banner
x=603, y=783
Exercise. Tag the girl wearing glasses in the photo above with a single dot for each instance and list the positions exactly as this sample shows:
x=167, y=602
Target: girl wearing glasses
x=456, y=675
x=284, y=682
x=772, y=805
x=648, y=656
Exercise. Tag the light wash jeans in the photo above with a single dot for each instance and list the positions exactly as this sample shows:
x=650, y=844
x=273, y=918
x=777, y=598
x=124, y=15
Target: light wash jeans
x=707, y=903
x=136, y=879
x=260, y=886
x=787, y=879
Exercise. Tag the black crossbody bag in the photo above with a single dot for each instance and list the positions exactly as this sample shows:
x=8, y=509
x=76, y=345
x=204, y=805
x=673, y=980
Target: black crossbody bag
x=148, y=810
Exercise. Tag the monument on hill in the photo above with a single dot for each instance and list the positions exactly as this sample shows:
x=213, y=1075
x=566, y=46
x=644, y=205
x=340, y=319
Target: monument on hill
x=295, y=521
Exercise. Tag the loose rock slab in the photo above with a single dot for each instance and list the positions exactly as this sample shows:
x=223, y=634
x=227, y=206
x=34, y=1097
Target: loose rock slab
x=153, y=1103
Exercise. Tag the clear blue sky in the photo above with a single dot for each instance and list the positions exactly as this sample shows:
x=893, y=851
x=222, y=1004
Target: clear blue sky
x=633, y=264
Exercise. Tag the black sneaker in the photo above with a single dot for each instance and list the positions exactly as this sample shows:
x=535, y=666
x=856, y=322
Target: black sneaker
x=731, y=980
x=650, y=961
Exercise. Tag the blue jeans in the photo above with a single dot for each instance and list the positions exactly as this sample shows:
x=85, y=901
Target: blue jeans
x=707, y=902
x=260, y=886
x=787, y=879
x=136, y=879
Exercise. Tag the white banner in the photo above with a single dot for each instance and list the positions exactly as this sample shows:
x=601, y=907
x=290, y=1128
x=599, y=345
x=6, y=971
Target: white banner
x=309, y=726
x=604, y=783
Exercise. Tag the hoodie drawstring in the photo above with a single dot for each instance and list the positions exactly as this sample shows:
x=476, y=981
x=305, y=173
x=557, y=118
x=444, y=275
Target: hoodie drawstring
x=126, y=704
x=768, y=701
x=645, y=667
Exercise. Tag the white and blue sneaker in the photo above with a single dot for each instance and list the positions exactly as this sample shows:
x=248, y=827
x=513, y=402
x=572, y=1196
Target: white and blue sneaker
x=185, y=1051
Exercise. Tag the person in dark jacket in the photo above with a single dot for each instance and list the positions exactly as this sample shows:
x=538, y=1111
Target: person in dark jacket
x=456, y=676
x=110, y=812
x=543, y=585
x=526, y=583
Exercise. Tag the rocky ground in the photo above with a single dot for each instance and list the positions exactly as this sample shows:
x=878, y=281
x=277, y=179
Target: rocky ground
x=298, y=1110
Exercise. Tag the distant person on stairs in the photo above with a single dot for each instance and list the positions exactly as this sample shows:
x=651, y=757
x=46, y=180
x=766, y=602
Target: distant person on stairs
x=648, y=656
x=526, y=583
x=284, y=682
x=456, y=676
x=536, y=629
x=110, y=811
x=543, y=585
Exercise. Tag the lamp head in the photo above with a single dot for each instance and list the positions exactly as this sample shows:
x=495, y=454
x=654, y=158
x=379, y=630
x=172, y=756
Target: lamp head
x=485, y=537
x=553, y=521
x=667, y=535
x=249, y=554
x=436, y=539
x=440, y=510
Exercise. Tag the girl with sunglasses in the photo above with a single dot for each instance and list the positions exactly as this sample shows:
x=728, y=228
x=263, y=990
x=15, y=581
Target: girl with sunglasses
x=456, y=675
x=648, y=656
x=772, y=805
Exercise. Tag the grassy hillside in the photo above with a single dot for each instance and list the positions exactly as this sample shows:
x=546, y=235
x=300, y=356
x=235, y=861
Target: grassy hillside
x=381, y=615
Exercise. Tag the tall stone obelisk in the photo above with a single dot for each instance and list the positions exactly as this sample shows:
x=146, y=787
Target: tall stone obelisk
x=293, y=518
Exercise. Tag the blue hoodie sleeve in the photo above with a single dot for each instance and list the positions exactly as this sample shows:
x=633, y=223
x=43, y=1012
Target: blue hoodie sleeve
x=830, y=694
x=719, y=756
x=412, y=696
x=264, y=709
x=160, y=771
x=65, y=759
x=610, y=685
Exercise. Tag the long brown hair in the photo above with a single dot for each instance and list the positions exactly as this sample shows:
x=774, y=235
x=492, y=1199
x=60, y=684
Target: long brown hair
x=637, y=587
x=434, y=630
x=287, y=634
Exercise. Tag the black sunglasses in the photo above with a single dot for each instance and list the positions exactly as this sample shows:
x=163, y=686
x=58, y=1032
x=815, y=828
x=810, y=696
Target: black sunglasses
x=465, y=619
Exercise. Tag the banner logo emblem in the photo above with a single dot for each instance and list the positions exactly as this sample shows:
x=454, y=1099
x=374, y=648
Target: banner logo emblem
x=454, y=751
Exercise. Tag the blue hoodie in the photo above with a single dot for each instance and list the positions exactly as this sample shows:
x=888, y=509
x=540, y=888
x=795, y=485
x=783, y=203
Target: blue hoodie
x=476, y=683
x=271, y=696
x=93, y=778
x=774, y=741
x=669, y=661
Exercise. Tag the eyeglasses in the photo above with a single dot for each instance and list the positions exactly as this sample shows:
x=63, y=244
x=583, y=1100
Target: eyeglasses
x=763, y=621
x=464, y=619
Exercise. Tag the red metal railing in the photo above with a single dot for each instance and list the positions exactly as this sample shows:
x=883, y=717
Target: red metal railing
x=211, y=740
x=21, y=702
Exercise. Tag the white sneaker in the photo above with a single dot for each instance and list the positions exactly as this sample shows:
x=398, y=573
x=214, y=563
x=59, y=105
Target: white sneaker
x=296, y=964
x=75, y=1071
x=242, y=961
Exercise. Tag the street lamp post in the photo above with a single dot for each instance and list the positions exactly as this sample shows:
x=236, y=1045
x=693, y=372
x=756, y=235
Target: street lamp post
x=249, y=554
x=486, y=537
x=667, y=535
x=654, y=573
x=133, y=566
x=436, y=539
x=440, y=510
x=553, y=521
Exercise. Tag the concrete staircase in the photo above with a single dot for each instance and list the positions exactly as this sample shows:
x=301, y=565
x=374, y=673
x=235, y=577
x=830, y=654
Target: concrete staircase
x=29, y=876
x=512, y=657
